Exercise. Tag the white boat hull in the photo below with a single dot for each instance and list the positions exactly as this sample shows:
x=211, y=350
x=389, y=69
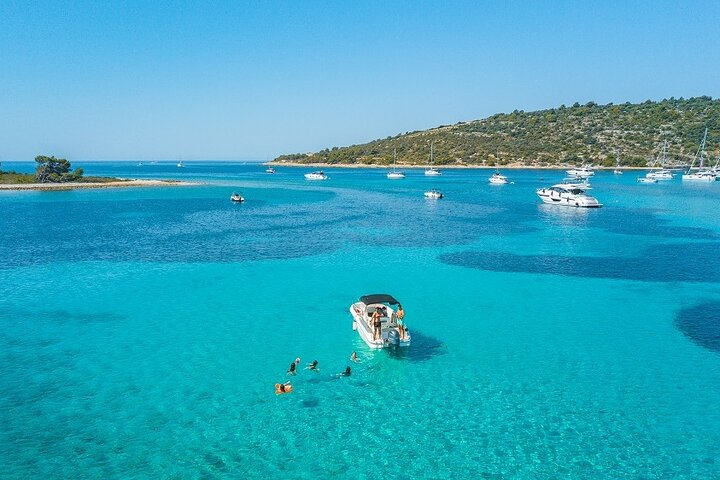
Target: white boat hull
x=362, y=326
x=697, y=177
x=315, y=176
x=560, y=195
x=395, y=176
x=432, y=173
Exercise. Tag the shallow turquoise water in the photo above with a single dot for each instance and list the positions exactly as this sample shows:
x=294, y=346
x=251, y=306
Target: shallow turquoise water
x=143, y=329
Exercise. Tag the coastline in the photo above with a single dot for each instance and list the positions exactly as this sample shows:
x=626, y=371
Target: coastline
x=80, y=185
x=441, y=167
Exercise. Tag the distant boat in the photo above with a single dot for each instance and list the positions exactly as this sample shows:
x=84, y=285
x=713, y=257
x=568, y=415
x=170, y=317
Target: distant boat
x=583, y=172
x=434, y=194
x=316, y=176
x=498, y=179
x=236, y=198
x=661, y=173
x=394, y=174
x=180, y=165
x=431, y=171
x=617, y=170
x=647, y=180
x=702, y=175
x=269, y=170
x=567, y=196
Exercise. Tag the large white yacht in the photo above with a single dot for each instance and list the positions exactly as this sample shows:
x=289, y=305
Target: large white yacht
x=568, y=196
x=583, y=172
x=702, y=174
x=316, y=176
x=391, y=331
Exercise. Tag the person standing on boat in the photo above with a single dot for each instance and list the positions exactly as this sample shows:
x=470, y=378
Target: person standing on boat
x=376, y=324
x=401, y=323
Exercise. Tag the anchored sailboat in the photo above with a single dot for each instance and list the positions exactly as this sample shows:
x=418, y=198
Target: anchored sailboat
x=394, y=174
x=431, y=171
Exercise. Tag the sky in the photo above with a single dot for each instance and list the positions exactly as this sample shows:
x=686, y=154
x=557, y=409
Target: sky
x=244, y=80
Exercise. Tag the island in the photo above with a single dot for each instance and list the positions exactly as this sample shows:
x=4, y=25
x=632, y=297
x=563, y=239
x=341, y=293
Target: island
x=56, y=174
x=626, y=135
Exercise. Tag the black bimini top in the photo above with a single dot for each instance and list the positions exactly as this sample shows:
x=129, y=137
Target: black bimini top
x=378, y=298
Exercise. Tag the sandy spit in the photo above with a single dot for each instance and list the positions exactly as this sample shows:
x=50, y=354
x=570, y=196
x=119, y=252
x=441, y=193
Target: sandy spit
x=77, y=185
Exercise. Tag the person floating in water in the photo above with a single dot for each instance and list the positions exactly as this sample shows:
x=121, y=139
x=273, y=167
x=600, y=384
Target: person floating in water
x=283, y=388
x=353, y=357
x=291, y=370
x=347, y=372
x=313, y=365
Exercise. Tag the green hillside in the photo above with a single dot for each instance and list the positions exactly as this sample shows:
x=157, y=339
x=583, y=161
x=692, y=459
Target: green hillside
x=580, y=133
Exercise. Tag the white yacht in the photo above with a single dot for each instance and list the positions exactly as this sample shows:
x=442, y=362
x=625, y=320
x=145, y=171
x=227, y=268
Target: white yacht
x=431, y=171
x=575, y=182
x=391, y=331
x=236, y=198
x=568, y=196
x=583, y=172
x=498, y=179
x=270, y=170
x=180, y=165
x=703, y=174
x=316, y=176
x=661, y=173
x=647, y=179
x=434, y=194
x=394, y=174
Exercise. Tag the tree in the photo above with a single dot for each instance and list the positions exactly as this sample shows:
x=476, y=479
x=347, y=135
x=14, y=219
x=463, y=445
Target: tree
x=55, y=170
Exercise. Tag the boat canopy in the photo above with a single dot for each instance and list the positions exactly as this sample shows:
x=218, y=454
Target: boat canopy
x=378, y=298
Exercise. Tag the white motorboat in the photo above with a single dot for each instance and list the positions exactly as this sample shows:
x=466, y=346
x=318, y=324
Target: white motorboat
x=434, y=194
x=431, y=171
x=702, y=174
x=269, y=170
x=395, y=174
x=568, y=196
x=583, y=172
x=498, y=179
x=236, y=198
x=316, y=176
x=647, y=180
x=390, y=329
x=617, y=171
x=180, y=165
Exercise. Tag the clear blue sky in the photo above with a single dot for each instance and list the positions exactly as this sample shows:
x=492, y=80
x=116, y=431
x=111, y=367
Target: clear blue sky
x=252, y=80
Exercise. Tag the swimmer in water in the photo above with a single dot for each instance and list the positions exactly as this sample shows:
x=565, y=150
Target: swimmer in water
x=347, y=372
x=353, y=357
x=313, y=365
x=291, y=370
x=283, y=386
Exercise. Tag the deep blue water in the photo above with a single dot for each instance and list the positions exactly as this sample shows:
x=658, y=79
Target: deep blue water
x=143, y=329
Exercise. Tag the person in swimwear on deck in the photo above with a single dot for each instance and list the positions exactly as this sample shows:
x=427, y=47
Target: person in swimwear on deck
x=376, y=324
x=401, y=324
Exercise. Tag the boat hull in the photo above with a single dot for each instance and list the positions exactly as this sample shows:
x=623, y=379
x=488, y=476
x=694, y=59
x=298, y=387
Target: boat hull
x=365, y=332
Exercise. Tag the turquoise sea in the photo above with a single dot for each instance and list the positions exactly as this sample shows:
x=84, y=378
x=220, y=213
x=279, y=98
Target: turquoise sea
x=142, y=330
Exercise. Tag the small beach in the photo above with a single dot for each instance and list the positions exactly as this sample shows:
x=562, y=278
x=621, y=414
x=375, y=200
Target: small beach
x=86, y=185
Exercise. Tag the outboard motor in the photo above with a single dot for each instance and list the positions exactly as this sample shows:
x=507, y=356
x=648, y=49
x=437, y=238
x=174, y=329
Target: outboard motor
x=393, y=338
